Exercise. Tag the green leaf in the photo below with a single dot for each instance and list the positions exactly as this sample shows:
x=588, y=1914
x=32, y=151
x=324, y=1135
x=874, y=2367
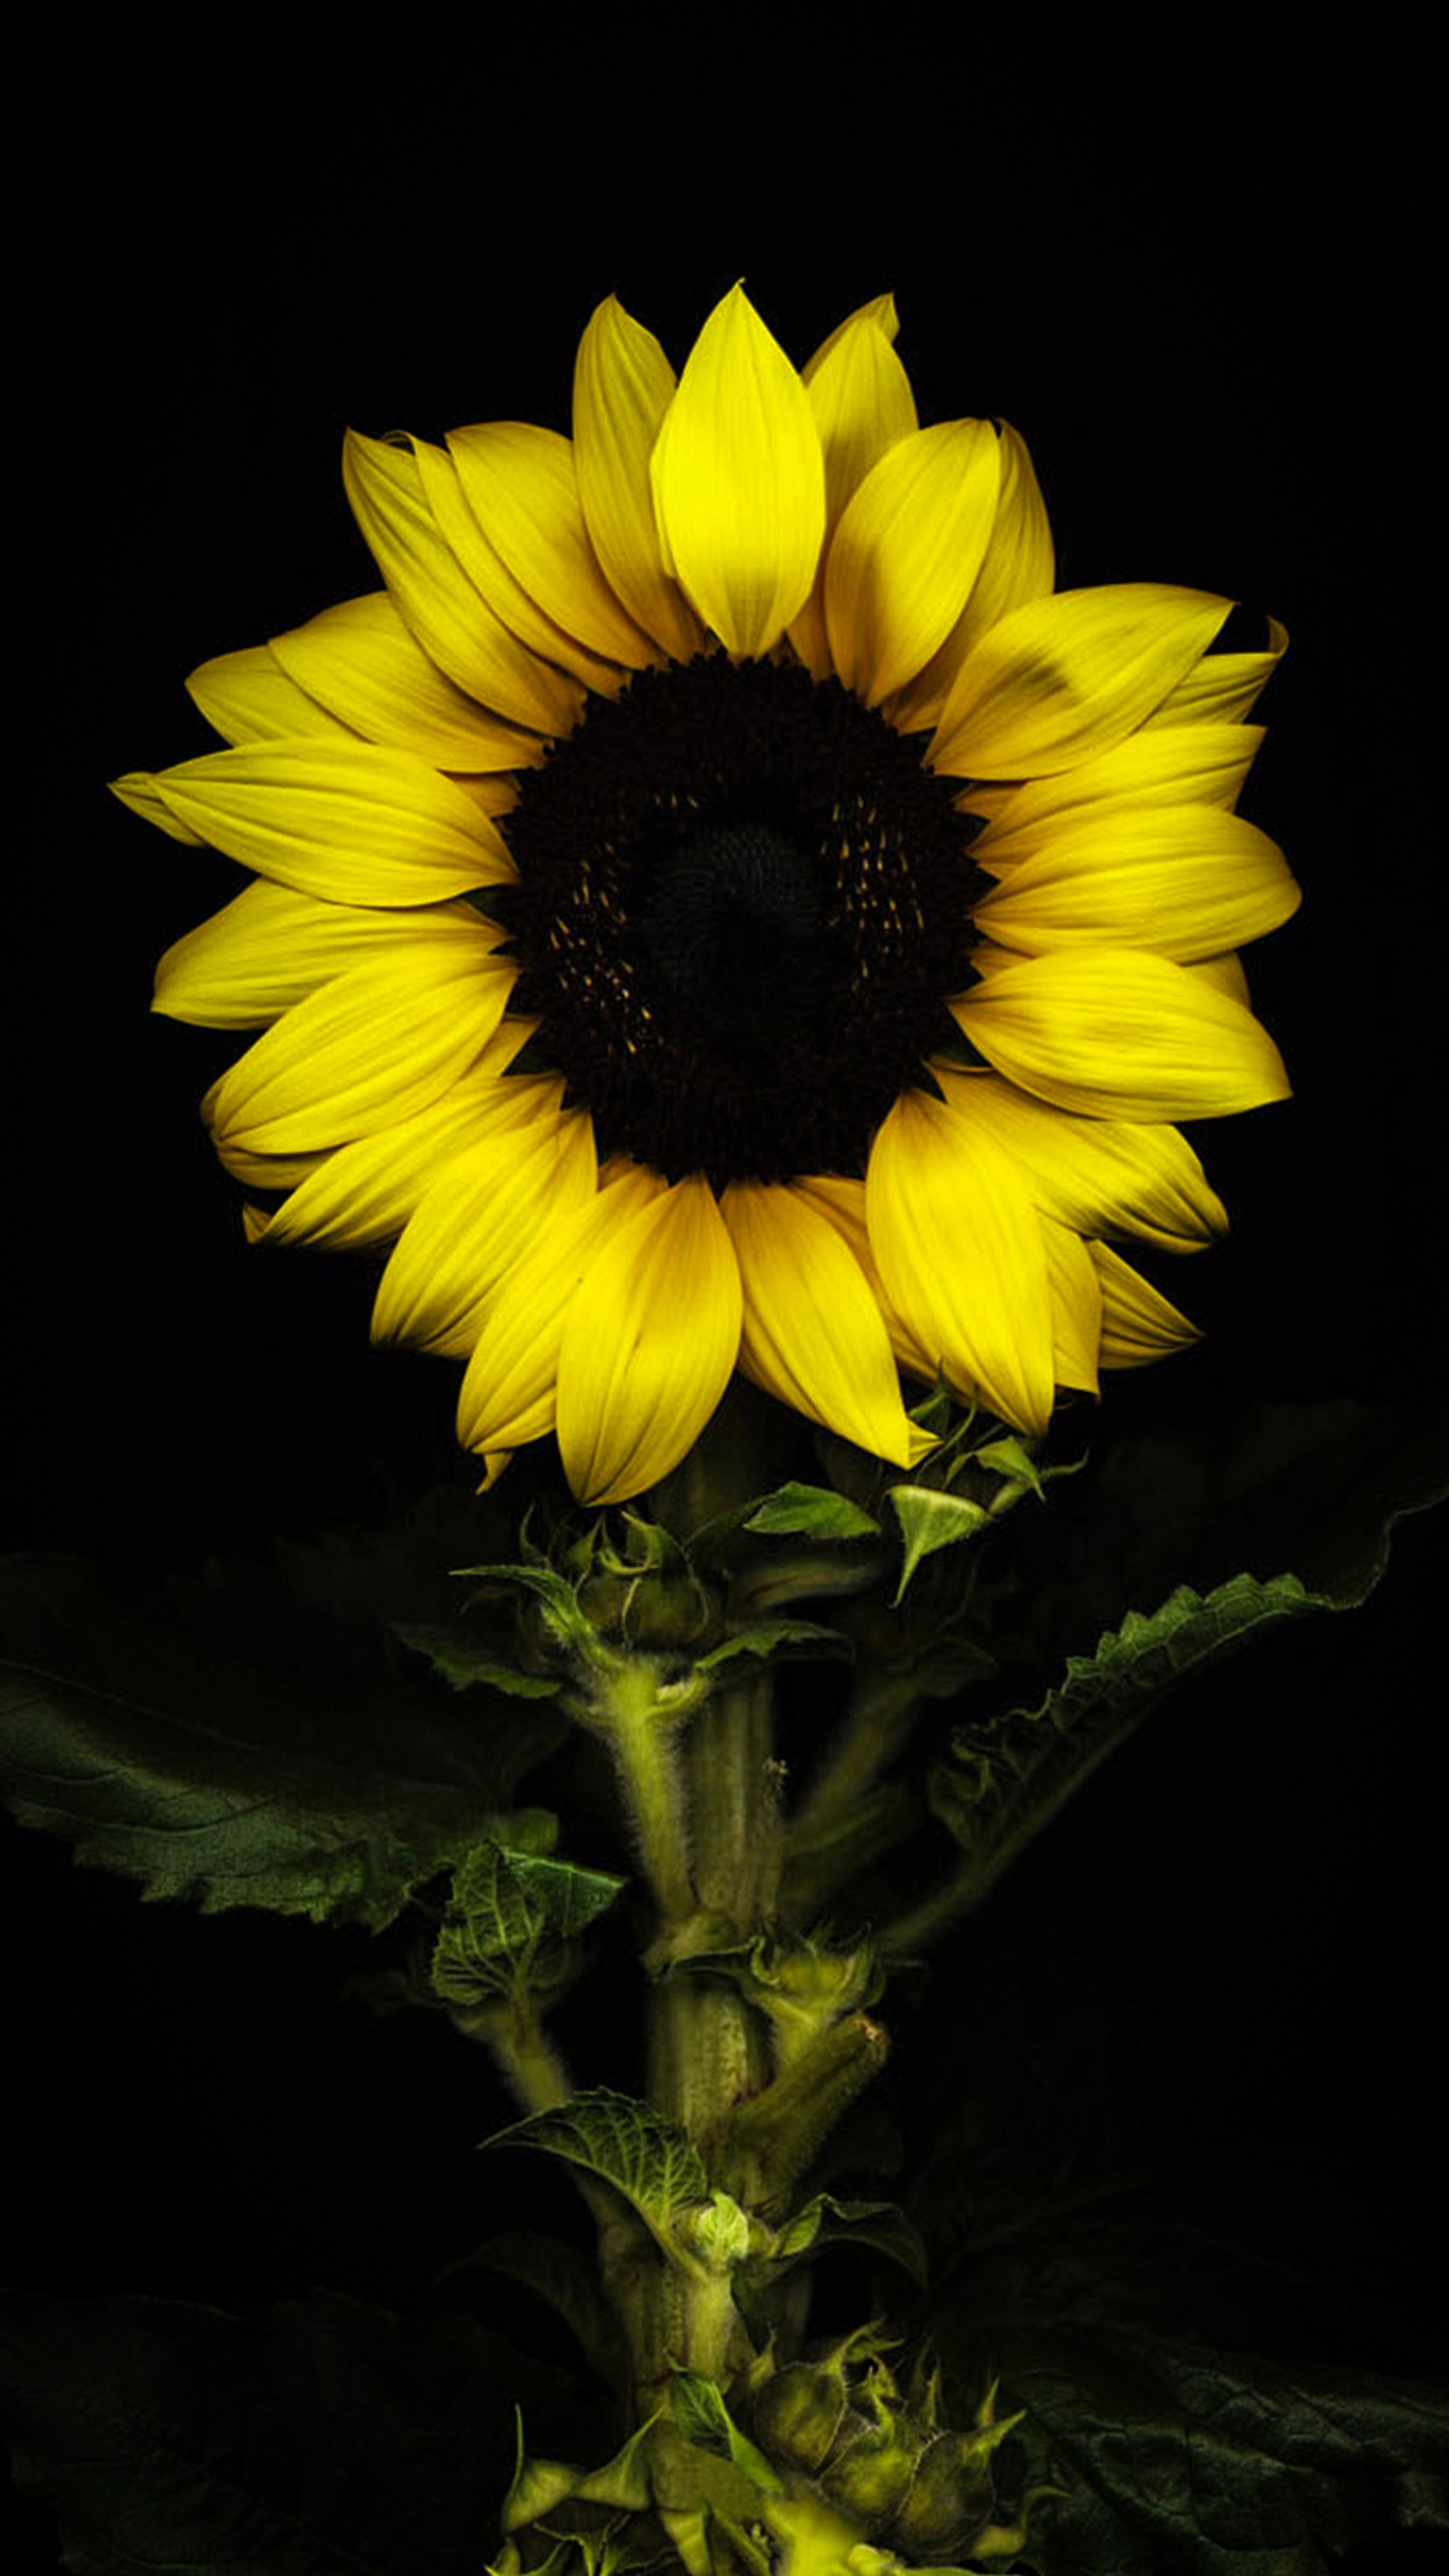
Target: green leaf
x=562, y=1894
x=1186, y=2460
x=811, y=1511
x=704, y=2419
x=510, y=1916
x=1311, y=1489
x=1008, y=1776
x=317, y=2438
x=653, y=2163
x=878, y=2223
x=930, y=1520
x=230, y=1745
x=773, y=1637
x=463, y=1660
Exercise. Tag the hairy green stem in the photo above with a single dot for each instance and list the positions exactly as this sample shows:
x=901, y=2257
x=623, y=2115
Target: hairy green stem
x=735, y=1805
x=642, y=1740
x=708, y=2049
x=526, y=2057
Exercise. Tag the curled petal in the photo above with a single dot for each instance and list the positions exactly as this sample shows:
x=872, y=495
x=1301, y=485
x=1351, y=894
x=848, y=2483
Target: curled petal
x=344, y=820
x=1138, y=1323
x=1223, y=687
x=1076, y=1309
x=1063, y=678
x=649, y=1344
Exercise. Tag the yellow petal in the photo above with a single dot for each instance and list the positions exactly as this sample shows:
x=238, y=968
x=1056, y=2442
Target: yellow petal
x=1019, y=564
x=434, y=588
x=1202, y=764
x=248, y=697
x=842, y=1203
x=519, y=483
x=739, y=481
x=367, y=1049
x=461, y=523
x=141, y=790
x=648, y=1347
x=906, y=552
x=960, y=1249
x=272, y=946
x=1061, y=679
x=475, y=1222
x=344, y=820
x=1076, y=1309
x=623, y=386
x=1119, y=1035
x=364, y=1194
x=1095, y=1175
x=1224, y=686
x=1138, y=1324
x=1184, y=881
x=880, y=310
x=264, y=1172
x=861, y=397
x=1227, y=974
x=363, y=665
x=813, y=1335
x=509, y=1394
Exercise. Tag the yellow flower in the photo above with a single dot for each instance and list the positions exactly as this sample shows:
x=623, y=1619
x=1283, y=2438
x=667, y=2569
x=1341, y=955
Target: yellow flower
x=718, y=906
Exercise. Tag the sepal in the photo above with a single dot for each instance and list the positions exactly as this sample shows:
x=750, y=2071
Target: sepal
x=911, y=2491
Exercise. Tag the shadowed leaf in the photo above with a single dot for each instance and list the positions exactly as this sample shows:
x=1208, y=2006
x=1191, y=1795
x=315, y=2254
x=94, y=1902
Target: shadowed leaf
x=236, y=1746
x=317, y=2438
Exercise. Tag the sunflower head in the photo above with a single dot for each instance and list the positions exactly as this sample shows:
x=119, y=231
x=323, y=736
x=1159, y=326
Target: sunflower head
x=719, y=907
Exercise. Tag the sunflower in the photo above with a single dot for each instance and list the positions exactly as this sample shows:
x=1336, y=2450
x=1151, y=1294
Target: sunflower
x=719, y=906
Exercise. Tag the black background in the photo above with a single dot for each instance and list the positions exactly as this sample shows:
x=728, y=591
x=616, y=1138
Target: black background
x=1210, y=340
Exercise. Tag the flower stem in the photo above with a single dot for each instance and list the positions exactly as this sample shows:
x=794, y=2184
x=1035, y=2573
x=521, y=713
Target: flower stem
x=642, y=1739
x=708, y=2049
